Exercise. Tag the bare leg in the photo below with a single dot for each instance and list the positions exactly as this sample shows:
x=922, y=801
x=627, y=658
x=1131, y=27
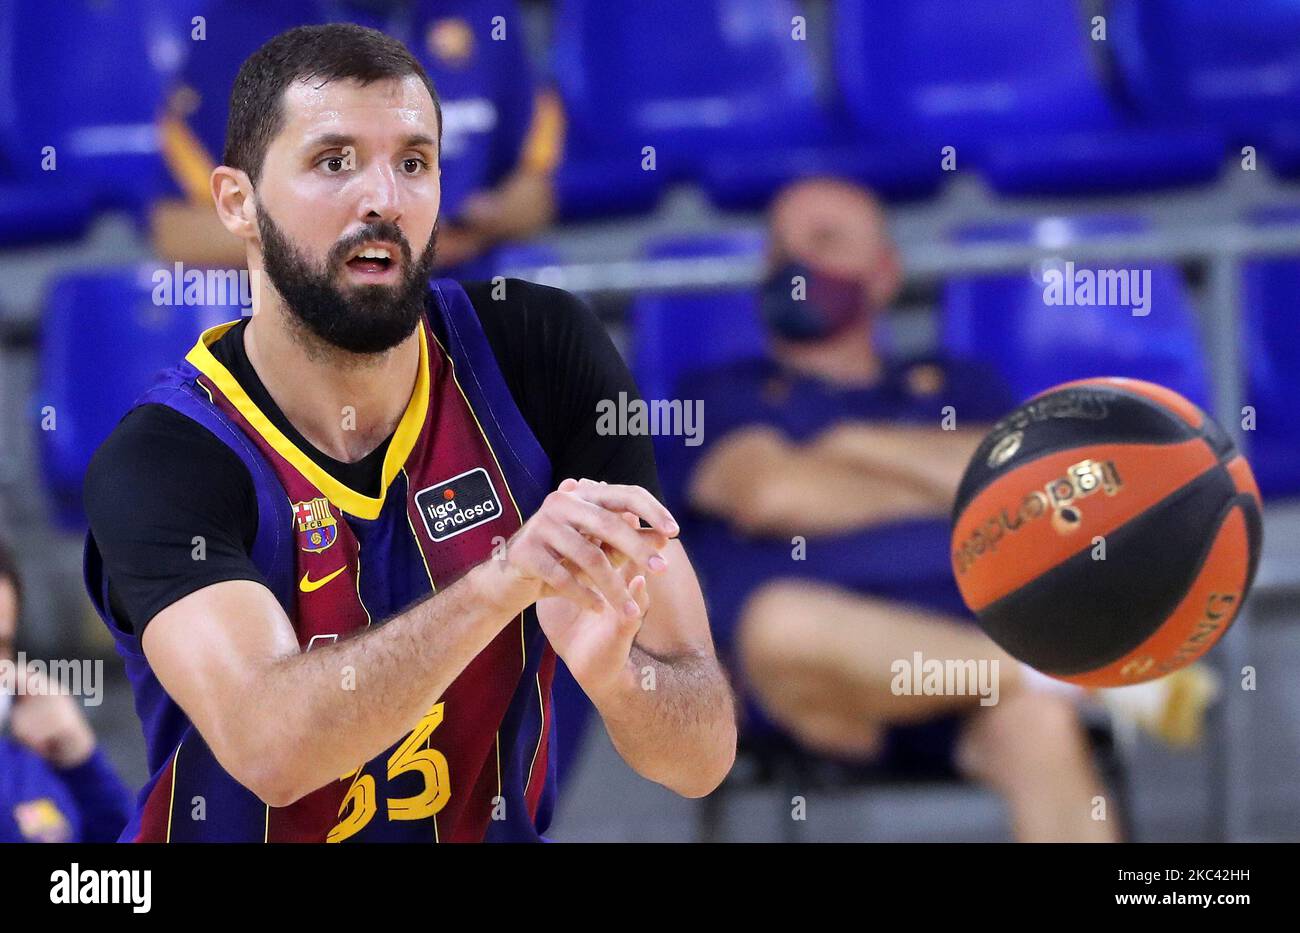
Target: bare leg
x=811, y=651
x=1031, y=749
x=818, y=660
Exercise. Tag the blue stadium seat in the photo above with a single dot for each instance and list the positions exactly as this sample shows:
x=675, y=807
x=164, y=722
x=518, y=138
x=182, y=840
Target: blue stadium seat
x=1016, y=86
x=107, y=314
x=34, y=211
x=1005, y=320
x=691, y=78
x=1272, y=340
x=1233, y=65
x=675, y=333
x=86, y=78
x=1281, y=149
x=748, y=180
x=593, y=186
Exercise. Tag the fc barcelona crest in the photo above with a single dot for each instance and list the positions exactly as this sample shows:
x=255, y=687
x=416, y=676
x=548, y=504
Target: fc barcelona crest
x=317, y=526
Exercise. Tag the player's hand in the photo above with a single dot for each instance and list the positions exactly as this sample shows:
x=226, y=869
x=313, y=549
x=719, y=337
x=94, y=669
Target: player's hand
x=50, y=724
x=597, y=644
x=575, y=544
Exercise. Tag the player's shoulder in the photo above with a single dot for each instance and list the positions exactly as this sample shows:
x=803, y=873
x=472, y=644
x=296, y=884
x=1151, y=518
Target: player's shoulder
x=518, y=300
x=155, y=450
x=529, y=324
x=152, y=429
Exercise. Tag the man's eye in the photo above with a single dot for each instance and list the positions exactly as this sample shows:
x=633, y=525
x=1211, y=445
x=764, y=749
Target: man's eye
x=333, y=165
x=413, y=166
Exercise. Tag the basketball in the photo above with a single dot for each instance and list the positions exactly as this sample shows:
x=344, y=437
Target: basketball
x=1106, y=532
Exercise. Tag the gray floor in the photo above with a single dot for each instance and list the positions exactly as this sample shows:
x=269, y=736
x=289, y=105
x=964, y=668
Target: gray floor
x=607, y=802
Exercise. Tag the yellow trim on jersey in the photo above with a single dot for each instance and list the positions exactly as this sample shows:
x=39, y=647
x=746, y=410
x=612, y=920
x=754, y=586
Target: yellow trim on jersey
x=433, y=587
x=498, y=748
x=361, y=602
x=171, y=797
x=541, y=729
x=188, y=159
x=346, y=498
x=545, y=139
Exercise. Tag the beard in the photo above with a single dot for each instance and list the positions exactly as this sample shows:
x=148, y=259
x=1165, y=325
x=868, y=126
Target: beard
x=363, y=319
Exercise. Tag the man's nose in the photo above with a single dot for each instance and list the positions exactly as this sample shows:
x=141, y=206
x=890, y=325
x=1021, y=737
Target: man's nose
x=380, y=196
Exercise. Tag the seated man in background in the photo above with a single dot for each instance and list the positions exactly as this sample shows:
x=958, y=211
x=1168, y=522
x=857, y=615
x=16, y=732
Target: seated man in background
x=821, y=496
x=56, y=784
x=501, y=135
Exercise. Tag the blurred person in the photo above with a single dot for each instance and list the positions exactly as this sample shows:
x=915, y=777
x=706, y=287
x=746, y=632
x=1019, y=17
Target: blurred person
x=831, y=444
x=56, y=782
x=501, y=139
x=342, y=545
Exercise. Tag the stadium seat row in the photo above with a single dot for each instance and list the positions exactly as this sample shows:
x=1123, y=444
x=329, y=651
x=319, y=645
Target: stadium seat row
x=1032, y=94
x=145, y=320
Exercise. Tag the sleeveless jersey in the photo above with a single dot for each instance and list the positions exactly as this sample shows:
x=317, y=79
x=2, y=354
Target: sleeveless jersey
x=462, y=472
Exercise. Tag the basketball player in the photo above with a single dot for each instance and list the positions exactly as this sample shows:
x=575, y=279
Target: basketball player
x=268, y=523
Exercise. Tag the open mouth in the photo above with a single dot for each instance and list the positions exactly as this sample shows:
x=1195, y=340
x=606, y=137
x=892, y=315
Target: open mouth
x=373, y=260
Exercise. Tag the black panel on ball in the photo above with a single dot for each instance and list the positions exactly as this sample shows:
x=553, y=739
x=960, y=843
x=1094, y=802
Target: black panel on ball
x=1084, y=614
x=1069, y=418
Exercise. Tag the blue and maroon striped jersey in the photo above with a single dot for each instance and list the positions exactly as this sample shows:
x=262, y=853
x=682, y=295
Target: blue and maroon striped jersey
x=463, y=471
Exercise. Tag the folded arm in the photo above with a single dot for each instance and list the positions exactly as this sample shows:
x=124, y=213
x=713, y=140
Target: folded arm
x=766, y=485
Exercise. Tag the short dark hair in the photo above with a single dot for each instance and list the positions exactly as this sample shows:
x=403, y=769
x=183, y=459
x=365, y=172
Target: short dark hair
x=9, y=571
x=333, y=52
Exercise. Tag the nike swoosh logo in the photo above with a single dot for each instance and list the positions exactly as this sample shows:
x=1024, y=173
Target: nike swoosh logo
x=307, y=584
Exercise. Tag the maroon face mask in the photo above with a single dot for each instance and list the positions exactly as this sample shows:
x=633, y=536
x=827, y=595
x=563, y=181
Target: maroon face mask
x=830, y=303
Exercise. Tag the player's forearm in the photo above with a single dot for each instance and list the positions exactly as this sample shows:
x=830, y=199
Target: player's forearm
x=334, y=708
x=673, y=720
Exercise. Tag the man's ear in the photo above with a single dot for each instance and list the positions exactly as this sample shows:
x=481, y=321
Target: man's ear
x=232, y=193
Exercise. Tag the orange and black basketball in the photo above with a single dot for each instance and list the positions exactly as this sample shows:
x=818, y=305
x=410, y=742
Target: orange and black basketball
x=1106, y=532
